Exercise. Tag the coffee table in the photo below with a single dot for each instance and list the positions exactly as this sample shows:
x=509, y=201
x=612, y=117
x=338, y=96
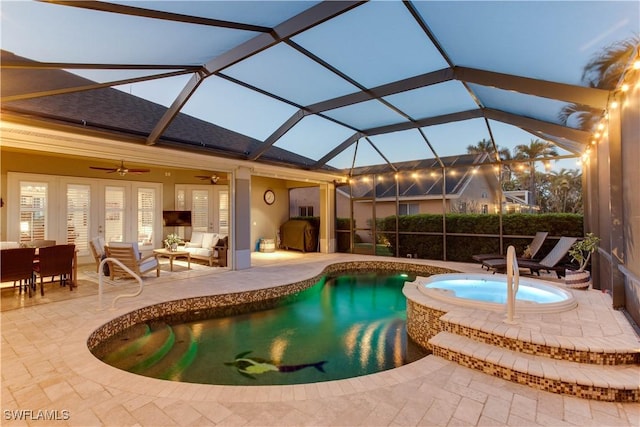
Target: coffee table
x=173, y=255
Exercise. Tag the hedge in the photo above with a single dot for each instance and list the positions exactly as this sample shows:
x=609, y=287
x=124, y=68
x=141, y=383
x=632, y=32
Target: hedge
x=461, y=248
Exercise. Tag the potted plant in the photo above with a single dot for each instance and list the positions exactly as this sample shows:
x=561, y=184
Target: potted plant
x=581, y=252
x=172, y=241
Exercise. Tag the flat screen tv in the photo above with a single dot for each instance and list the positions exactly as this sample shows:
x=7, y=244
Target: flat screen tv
x=176, y=218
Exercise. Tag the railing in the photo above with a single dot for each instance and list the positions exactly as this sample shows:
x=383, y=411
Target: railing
x=513, y=282
x=100, y=282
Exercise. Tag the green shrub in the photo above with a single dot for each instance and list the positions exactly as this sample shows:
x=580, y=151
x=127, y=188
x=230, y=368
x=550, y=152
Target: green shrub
x=461, y=248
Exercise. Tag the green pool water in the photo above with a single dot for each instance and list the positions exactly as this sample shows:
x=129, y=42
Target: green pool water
x=341, y=327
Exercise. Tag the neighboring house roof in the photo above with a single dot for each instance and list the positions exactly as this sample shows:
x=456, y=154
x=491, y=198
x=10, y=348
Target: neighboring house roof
x=426, y=185
x=112, y=110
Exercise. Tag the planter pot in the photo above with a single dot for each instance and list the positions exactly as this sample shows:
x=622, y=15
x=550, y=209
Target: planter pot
x=577, y=279
x=174, y=247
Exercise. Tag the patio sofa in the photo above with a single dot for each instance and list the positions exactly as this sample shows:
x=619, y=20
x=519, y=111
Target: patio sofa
x=209, y=247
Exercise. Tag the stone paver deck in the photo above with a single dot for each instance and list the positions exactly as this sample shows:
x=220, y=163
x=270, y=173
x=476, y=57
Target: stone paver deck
x=46, y=366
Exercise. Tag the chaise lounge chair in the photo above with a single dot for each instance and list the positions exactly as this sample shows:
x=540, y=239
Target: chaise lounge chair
x=549, y=263
x=534, y=247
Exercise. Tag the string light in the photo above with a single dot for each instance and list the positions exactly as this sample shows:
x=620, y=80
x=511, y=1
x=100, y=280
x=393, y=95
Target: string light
x=629, y=76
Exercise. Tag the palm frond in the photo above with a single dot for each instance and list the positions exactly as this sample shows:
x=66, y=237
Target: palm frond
x=605, y=69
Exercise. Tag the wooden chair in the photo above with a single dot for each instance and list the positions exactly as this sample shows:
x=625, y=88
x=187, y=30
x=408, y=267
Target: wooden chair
x=129, y=255
x=97, y=250
x=17, y=265
x=55, y=261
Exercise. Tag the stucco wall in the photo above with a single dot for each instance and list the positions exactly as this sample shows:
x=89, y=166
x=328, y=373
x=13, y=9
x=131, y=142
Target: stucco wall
x=266, y=219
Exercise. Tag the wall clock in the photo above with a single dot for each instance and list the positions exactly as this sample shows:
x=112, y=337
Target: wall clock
x=269, y=197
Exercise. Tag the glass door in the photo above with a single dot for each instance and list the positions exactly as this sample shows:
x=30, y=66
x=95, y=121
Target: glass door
x=113, y=221
x=209, y=206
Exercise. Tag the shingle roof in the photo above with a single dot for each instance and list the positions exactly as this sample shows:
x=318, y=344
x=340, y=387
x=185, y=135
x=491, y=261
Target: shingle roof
x=116, y=111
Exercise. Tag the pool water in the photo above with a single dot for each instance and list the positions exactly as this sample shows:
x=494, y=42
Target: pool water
x=341, y=327
x=495, y=291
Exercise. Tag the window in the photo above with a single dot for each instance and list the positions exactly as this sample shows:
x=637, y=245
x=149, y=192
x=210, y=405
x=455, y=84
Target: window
x=78, y=214
x=408, y=209
x=114, y=214
x=146, y=212
x=223, y=212
x=305, y=210
x=485, y=209
x=200, y=210
x=33, y=211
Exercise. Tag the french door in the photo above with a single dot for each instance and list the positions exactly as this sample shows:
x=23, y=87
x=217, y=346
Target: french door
x=209, y=206
x=75, y=209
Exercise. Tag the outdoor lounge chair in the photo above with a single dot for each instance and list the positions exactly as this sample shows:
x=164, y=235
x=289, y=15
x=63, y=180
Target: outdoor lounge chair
x=534, y=247
x=129, y=255
x=549, y=263
x=97, y=250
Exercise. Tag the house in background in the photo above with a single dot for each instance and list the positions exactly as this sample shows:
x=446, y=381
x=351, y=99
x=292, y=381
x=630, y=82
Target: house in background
x=465, y=187
x=518, y=201
x=304, y=201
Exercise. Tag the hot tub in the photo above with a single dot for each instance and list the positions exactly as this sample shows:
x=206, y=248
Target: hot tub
x=489, y=292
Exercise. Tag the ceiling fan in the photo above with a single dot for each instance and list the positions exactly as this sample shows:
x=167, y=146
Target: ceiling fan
x=213, y=179
x=121, y=170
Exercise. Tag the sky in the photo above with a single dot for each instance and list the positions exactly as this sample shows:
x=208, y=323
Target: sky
x=373, y=44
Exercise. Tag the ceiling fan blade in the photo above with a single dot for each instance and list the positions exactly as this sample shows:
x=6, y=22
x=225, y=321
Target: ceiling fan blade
x=103, y=169
x=203, y=176
x=138, y=170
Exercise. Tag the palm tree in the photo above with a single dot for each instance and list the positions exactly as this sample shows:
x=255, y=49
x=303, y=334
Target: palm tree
x=483, y=146
x=536, y=149
x=486, y=146
x=566, y=190
x=603, y=72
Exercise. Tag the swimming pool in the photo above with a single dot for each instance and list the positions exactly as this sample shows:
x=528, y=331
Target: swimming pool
x=489, y=292
x=344, y=326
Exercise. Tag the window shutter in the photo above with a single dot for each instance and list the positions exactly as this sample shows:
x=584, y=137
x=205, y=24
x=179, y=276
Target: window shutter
x=223, y=212
x=78, y=214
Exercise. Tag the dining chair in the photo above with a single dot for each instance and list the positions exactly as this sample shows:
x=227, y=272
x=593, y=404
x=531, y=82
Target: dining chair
x=55, y=261
x=17, y=265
